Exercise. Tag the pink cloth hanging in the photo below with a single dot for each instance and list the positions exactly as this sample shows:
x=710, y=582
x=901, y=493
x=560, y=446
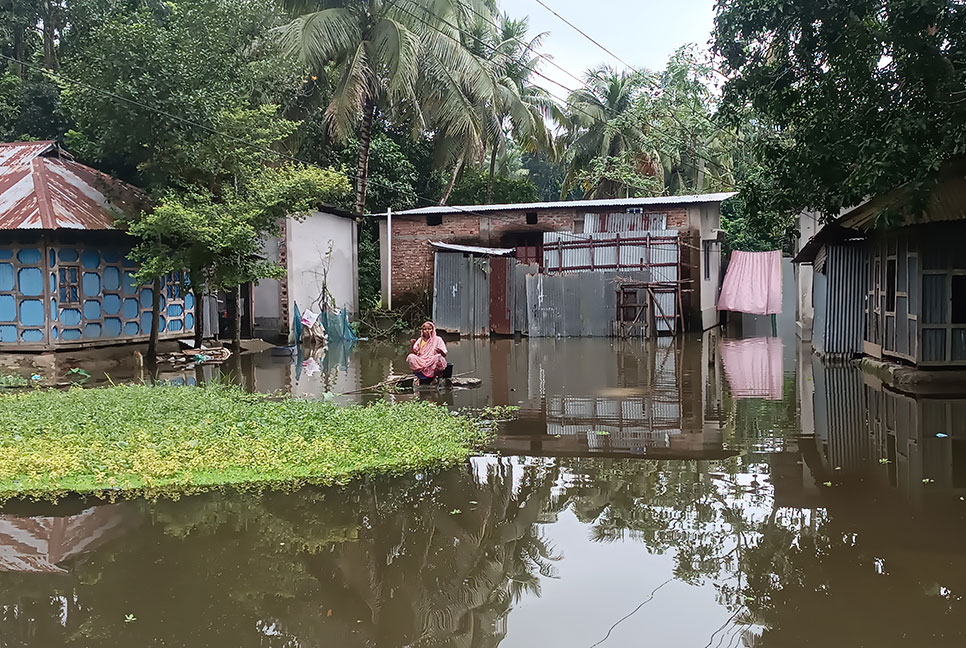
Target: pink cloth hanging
x=753, y=367
x=753, y=283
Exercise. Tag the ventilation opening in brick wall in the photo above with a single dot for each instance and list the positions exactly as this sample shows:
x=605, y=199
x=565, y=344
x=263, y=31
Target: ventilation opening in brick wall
x=434, y=219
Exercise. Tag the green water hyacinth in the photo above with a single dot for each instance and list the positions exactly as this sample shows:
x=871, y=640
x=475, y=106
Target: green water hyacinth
x=135, y=440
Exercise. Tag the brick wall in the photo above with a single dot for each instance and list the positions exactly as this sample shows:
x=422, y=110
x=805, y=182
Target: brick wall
x=412, y=255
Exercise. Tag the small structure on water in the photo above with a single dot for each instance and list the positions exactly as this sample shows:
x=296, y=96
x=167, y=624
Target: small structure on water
x=568, y=268
x=65, y=279
x=896, y=292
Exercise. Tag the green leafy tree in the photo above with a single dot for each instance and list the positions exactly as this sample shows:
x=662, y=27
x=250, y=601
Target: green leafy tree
x=860, y=97
x=519, y=110
x=604, y=139
x=476, y=188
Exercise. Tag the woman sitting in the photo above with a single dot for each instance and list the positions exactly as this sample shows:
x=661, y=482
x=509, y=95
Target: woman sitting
x=428, y=359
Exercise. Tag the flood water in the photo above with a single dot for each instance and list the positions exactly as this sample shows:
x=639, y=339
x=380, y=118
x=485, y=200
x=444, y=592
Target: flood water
x=697, y=493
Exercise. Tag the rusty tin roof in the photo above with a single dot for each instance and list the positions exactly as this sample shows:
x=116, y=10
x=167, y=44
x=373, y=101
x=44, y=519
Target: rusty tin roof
x=43, y=188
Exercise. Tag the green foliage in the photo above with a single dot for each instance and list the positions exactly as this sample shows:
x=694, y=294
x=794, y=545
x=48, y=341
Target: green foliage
x=753, y=232
x=12, y=380
x=220, y=241
x=192, y=60
x=30, y=109
x=641, y=134
x=136, y=440
x=858, y=97
x=471, y=189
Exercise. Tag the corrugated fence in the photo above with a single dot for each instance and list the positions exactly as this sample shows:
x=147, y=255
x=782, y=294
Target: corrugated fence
x=475, y=295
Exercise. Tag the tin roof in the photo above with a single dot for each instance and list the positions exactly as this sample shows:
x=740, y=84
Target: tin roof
x=946, y=202
x=571, y=204
x=43, y=188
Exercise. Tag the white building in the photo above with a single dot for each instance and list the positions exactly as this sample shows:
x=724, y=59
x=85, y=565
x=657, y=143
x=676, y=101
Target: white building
x=320, y=253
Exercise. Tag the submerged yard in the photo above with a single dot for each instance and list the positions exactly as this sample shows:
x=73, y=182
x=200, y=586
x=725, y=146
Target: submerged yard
x=141, y=440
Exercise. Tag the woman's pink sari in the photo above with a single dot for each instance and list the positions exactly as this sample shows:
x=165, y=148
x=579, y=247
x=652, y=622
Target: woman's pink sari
x=425, y=358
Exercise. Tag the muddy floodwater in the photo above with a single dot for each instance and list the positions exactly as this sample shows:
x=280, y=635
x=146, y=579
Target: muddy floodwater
x=700, y=492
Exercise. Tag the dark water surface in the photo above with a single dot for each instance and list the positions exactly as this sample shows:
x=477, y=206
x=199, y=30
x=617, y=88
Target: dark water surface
x=697, y=493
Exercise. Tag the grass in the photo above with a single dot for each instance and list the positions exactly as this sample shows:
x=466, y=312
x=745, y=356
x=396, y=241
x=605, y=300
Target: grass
x=133, y=440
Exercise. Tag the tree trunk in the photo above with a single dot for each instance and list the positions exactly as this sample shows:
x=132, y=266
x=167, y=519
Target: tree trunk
x=362, y=170
x=199, y=316
x=452, y=181
x=236, y=338
x=19, y=48
x=49, y=34
x=155, y=320
x=489, y=186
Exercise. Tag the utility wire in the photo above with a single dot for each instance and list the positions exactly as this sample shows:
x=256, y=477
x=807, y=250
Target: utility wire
x=646, y=77
x=632, y=612
x=588, y=37
x=526, y=46
x=493, y=50
x=208, y=129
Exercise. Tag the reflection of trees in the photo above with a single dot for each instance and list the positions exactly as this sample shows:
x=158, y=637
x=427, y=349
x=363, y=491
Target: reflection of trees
x=392, y=563
x=380, y=563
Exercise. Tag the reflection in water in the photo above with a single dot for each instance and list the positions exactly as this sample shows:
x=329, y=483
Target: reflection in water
x=39, y=544
x=753, y=367
x=647, y=497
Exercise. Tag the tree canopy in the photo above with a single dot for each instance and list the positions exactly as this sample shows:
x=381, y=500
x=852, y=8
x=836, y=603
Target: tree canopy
x=856, y=98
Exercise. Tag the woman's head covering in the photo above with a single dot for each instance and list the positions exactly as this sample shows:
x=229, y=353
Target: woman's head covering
x=431, y=325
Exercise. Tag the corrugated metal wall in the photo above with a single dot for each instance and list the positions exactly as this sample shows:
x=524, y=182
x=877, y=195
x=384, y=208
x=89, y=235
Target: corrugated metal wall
x=574, y=305
x=844, y=300
x=518, y=312
x=461, y=294
x=656, y=251
x=624, y=222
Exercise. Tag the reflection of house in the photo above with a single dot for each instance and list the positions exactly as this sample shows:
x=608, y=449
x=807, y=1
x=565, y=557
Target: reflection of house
x=895, y=293
x=587, y=236
x=42, y=543
x=659, y=399
x=321, y=257
x=65, y=280
x=863, y=428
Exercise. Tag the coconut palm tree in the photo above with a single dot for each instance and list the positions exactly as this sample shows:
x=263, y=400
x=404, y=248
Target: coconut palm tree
x=603, y=130
x=398, y=57
x=518, y=108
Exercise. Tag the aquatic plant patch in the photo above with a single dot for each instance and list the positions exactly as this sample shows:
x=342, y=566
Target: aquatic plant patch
x=167, y=440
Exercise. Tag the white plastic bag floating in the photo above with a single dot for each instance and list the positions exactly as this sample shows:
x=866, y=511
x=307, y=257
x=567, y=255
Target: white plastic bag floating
x=309, y=318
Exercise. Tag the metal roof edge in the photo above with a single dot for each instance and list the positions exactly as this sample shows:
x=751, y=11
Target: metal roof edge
x=689, y=199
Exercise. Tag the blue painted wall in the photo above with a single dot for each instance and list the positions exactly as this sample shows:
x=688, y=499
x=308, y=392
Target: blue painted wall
x=54, y=294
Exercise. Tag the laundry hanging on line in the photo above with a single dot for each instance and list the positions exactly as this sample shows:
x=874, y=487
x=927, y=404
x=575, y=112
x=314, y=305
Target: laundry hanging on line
x=753, y=283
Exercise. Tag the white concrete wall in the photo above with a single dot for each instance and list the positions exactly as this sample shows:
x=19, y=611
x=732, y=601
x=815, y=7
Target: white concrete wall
x=323, y=257
x=807, y=223
x=707, y=217
x=310, y=266
x=265, y=294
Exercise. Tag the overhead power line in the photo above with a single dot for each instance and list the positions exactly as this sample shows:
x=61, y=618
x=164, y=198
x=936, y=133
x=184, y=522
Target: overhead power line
x=588, y=37
x=208, y=129
x=565, y=101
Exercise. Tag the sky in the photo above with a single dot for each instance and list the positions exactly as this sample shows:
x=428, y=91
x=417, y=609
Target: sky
x=643, y=33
